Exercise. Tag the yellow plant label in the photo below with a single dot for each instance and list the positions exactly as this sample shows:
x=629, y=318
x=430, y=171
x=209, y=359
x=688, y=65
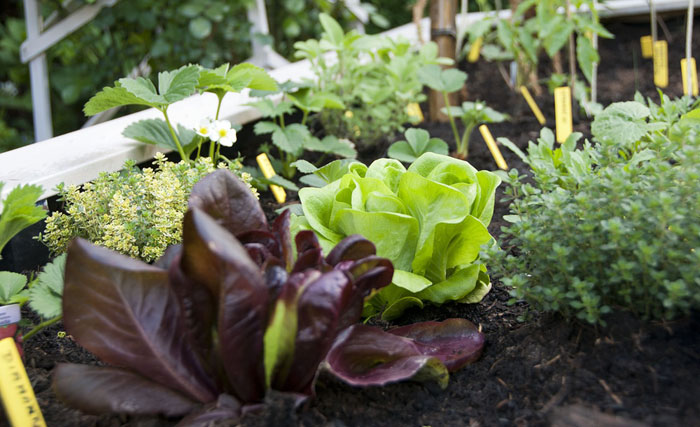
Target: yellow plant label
x=475, y=50
x=413, y=110
x=562, y=112
x=693, y=76
x=533, y=105
x=268, y=171
x=647, y=49
x=16, y=392
x=661, y=63
x=493, y=147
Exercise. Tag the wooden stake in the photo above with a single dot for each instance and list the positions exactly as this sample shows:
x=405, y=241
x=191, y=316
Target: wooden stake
x=443, y=32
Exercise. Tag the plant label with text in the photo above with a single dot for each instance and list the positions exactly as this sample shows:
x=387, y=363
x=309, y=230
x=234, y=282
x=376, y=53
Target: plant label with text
x=693, y=76
x=562, y=111
x=661, y=63
x=16, y=392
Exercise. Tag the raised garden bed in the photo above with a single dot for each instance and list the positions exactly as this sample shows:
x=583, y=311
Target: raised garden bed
x=542, y=371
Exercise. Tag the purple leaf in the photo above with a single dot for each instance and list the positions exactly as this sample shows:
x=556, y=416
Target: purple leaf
x=225, y=408
x=309, y=254
x=353, y=248
x=280, y=228
x=367, y=356
x=99, y=390
x=320, y=306
x=213, y=256
x=456, y=342
x=229, y=201
x=123, y=311
x=369, y=273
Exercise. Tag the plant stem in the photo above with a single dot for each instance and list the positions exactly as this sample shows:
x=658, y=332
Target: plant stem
x=464, y=149
x=304, y=117
x=41, y=326
x=452, y=120
x=218, y=107
x=174, y=135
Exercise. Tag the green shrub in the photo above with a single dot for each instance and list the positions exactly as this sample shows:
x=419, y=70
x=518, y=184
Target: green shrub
x=615, y=225
x=136, y=212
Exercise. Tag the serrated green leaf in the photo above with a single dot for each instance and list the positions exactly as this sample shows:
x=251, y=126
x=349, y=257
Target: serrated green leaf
x=265, y=127
x=304, y=167
x=151, y=131
x=556, y=35
x=291, y=139
x=46, y=294
x=178, y=84
x=143, y=89
x=20, y=211
x=255, y=77
x=10, y=285
x=111, y=97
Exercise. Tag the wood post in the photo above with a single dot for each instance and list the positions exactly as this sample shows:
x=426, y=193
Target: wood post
x=443, y=31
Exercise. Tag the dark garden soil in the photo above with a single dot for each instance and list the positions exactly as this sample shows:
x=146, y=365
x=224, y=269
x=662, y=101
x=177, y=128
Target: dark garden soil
x=544, y=371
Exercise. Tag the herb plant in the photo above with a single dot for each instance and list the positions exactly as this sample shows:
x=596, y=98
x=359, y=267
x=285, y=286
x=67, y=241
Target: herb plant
x=136, y=212
x=612, y=225
x=473, y=114
x=417, y=143
x=430, y=220
x=228, y=316
x=374, y=77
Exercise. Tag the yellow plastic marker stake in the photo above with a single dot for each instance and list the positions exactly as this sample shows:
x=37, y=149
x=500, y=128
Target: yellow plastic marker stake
x=533, y=105
x=647, y=49
x=493, y=147
x=661, y=63
x=562, y=112
x=693, y=76
x=413, y=110
x=16, y=392
x=475, y=50
x=268, y=171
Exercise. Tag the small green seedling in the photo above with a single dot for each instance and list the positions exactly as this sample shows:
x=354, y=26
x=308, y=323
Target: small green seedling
x=418, y=142
x=472, y=115
x=444, y=81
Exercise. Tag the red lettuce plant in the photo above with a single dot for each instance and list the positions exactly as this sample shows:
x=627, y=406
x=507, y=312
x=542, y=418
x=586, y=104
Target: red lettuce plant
x=229, y=315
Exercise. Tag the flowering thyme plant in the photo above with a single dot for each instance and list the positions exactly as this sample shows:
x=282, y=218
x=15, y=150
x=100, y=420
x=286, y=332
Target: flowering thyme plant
x=136, y=212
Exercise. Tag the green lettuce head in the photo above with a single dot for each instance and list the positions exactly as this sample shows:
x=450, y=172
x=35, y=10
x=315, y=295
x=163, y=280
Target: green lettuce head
x=429, y=220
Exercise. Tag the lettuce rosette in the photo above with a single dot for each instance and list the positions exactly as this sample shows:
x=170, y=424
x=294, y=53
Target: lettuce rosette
x=430, y=220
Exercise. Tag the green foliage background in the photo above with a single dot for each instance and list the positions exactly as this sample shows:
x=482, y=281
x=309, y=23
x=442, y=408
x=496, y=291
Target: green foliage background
x=167, y=33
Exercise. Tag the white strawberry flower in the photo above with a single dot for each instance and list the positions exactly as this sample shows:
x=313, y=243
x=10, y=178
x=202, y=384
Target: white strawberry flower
x=205, y=128
x=223, y=133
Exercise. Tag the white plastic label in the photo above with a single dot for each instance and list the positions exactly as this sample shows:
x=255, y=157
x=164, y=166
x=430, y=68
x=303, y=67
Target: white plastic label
x=9, y=314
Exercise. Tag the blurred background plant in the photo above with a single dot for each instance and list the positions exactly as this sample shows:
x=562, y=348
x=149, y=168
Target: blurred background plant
x=149, y=31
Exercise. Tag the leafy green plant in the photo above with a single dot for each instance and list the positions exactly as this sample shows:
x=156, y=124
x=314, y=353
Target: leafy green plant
x=176, y=335
x=374, y=77
x=19, y=211
x=136, y=212
x=608, y=226
x=175, y=86
x=444, y=81
x=429, y=220
x=417, y=143
x=293, y=139
x=473, y=114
